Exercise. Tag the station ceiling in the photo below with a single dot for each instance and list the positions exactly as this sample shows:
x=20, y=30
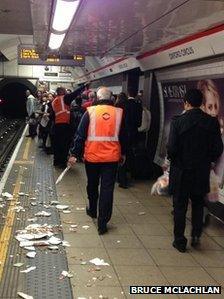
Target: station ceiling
x=107, y=27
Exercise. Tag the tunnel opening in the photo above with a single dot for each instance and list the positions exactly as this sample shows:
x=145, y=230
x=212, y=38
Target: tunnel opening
x=13, y=97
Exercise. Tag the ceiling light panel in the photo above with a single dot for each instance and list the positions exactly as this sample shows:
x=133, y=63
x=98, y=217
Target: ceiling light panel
x=56, y=40
x=64, y=13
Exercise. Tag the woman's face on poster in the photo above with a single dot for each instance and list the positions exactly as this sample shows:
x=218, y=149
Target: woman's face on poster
x=211, y=105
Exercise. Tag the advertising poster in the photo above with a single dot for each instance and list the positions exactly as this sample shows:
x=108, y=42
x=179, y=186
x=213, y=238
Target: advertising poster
x=173, y=94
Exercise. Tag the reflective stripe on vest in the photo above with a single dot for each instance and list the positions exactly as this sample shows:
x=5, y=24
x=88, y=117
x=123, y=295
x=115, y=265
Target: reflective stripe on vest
x=92, y=126
x=102, y=142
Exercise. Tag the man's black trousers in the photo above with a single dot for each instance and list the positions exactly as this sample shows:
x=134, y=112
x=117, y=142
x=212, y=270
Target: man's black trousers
x=105, y=174
x=62, y=140
x=180, y=204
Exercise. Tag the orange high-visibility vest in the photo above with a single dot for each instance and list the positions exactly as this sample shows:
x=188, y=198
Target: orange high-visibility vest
x=102, y=143
x=61, y=110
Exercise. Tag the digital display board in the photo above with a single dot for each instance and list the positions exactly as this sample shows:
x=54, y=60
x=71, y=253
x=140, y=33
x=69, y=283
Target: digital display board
x=28, y=55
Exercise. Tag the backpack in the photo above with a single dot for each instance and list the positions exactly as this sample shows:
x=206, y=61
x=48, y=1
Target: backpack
x=146, y=120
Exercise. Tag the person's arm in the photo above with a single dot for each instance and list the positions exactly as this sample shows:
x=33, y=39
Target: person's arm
x=68, y=98
x=80, y=137
x=216, y=147
x=123, y=139
x=173, y=142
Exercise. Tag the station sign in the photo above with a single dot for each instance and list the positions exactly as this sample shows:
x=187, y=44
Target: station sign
x=28, y=55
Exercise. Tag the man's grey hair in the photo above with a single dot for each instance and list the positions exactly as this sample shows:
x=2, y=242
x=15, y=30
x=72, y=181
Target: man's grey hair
x=103, y=93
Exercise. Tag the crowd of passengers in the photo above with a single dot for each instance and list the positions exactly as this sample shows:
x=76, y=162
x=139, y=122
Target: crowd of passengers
x=54, y=118
x=106, y=136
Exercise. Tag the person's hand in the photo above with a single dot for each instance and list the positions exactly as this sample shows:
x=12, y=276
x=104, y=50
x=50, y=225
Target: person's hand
x=122, y=160
x=71, y=161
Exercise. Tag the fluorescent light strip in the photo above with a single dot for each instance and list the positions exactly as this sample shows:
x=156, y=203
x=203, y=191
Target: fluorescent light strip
x=64, y=14
x=56, y=40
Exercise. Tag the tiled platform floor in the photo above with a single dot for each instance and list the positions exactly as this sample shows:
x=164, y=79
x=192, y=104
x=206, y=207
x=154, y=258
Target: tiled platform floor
x=137, y=247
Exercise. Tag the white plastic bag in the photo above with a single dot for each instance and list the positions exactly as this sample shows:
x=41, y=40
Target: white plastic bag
x=161, y=185
x=213, y=195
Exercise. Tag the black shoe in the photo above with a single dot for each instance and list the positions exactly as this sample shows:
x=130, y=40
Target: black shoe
x=102, y=230
x=123, y=186
x=179, y=247
x=195, y=241
x=90, y=214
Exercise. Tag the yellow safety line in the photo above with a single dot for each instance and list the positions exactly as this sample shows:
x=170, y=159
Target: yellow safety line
x=9, y=220
x=26, y=151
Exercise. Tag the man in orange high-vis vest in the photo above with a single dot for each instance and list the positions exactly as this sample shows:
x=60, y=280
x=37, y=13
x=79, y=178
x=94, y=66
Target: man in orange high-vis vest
x=62, y=127
x=62, y=134
x=101, y=139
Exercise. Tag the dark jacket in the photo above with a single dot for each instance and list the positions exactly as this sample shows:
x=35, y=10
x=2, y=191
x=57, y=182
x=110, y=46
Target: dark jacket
x=76, y=114
x=133, y=119
x=68, y=98
x=81, y=134
x=194, y=142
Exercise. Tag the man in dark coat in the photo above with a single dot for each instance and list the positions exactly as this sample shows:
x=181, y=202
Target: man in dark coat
x=194, y=143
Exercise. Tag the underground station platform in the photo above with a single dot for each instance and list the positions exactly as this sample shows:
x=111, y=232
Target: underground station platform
x=50, y=248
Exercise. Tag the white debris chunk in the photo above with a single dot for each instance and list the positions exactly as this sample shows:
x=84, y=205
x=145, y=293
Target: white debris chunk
x=54, y=241
x=18, y=265
x=46, y=206
x=33, y=204
x=141, y=213
x=65, y=274
x=28, y=269
x=21, y=193
x=24, y=296
x=19, y=209
x=62, y=207
x=36, y=236
x=98, y=262
x=31, y=254
x=43, y=213
x=33, y=198
x=7, y=195
x=66, y=212
x=86, y=227
x=66, y=244
x=80, y=209
x=32, y=219
x=25, y=243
